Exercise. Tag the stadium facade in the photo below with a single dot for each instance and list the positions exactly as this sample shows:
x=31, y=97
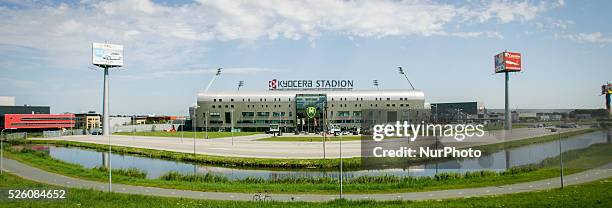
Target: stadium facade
x=297, y=110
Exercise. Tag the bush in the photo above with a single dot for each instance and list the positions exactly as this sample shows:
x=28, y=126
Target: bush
x=129, y=172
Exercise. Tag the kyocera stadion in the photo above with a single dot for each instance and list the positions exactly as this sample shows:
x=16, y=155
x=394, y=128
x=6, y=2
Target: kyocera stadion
x=298, y=105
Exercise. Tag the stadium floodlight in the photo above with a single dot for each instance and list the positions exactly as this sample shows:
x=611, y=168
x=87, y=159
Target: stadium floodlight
x=213, y=79
x=375, y=83
x=401, y=71
x=240, y=84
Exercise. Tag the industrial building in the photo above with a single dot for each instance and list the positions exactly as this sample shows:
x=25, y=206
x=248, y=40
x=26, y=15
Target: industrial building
x=24, y=109
x=31, y=118
x=38, y=121
x=296, y=110
x=457, y=112
x=88, y=121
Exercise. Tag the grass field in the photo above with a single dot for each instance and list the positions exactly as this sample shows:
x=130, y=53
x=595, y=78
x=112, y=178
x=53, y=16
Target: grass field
x=595, y=194
x=187, y=134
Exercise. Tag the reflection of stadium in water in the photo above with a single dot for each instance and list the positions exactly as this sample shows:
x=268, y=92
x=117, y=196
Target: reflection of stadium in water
x=497, y=161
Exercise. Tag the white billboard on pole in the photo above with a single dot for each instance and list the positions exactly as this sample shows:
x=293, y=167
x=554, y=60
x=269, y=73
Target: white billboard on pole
x=104, y=54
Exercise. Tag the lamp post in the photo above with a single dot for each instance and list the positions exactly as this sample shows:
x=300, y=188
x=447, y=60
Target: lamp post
x=401, y=71
x=2, y=149
x=194, y=122
x=341, y=175
x=560, y=158
x=232, y=124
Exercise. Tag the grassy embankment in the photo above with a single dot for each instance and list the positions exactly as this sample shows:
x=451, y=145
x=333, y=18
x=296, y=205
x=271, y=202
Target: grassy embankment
x=187, y=134
x=594, y=194
x=595, y=155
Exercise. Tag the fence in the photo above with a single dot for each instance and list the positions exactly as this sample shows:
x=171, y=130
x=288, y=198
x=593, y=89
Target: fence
x=16, y=136
x=144, y=127
x=48, y=134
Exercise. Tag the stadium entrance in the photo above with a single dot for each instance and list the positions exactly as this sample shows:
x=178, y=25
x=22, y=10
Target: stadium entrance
x=310, y=112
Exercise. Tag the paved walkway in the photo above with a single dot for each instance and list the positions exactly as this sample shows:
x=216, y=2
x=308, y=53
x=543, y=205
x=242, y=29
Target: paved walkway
x=246, y=146
x=42, y=176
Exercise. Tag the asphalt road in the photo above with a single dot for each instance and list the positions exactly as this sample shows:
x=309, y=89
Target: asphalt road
x=246, y=146
x=42, y=176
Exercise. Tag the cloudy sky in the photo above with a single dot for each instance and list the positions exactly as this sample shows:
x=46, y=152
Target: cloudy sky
x=172, y=49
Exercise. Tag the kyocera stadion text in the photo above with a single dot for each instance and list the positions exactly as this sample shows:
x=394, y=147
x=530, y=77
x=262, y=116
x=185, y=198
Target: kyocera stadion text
x=412, y=131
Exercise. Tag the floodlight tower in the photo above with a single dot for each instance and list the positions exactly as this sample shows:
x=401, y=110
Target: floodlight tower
x=195, y=111
x=240, y=84
x=401, y=71
x=375, y=83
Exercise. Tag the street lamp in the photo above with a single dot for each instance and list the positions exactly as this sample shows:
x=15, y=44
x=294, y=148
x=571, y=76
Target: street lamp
x=2, y=149
x=401, y=71
x=560, y=158
x=232, y=124
x=194, y=122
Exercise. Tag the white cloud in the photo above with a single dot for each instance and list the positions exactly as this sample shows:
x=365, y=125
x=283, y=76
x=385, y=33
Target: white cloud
x=161, y=36
x=175, y=73
x=595, y=38
x=507, y=11
x=488, y=34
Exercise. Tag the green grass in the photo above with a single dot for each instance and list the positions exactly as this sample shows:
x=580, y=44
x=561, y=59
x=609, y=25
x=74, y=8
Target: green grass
x=595, y=155
x=187, y=134
x=310, y=139
x=594, y=194
x=501, y=126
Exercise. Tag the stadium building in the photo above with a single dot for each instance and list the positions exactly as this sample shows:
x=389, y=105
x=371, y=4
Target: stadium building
x=297, y=106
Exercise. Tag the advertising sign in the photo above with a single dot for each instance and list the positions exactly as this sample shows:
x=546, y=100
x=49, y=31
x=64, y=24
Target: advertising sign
x=606, y=89
x=274, y=128
x=310, y=84
x=104, y=54
x=507, y=62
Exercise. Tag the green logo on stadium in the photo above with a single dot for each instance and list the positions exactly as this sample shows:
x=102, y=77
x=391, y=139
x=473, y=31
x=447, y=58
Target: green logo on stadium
x=311, y=112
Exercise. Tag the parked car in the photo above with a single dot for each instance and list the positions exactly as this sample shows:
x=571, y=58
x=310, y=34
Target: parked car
x=96, y=132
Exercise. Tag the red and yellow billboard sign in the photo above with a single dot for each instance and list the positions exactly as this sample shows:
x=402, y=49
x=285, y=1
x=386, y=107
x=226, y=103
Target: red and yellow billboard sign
x=508, y=62
x=606, y=89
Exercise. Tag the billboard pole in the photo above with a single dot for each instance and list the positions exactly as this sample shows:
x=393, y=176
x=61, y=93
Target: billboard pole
x=106, y=124
x=507, y=117
x=106, y=128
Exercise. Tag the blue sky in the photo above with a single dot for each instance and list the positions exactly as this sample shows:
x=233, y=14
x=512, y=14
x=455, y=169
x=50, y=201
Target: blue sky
x=172, y=49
